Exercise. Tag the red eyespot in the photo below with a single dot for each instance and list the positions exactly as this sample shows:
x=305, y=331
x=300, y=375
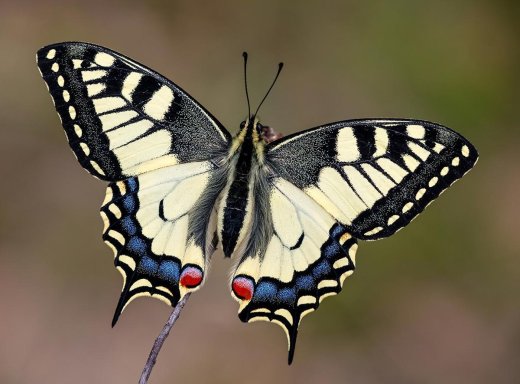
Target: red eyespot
x=191, y=277
x=243, y=287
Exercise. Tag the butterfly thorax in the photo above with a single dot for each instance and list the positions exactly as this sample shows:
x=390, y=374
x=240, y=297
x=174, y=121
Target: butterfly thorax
x=237, y=203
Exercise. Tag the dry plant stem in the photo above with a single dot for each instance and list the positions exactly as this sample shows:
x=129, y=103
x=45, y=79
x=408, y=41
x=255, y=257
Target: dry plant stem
x=157, y=345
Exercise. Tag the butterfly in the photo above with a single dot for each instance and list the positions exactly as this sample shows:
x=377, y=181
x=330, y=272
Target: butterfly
x=289, y=212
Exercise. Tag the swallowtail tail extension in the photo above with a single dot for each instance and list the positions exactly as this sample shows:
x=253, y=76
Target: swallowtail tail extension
x=289, y=212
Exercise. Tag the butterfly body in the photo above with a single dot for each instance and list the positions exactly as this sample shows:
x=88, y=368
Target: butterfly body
x=288, y=211
x=237, y=204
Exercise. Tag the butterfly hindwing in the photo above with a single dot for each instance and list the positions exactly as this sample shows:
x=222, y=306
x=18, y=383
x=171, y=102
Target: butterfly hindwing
x=121, y=118
x=307, y=258
x=162, y=240
x=373, y=176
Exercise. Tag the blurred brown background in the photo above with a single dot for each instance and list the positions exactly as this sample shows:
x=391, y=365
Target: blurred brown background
x=436, y=303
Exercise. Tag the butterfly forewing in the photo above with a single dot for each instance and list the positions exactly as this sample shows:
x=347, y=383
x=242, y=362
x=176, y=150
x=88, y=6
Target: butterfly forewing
x=121, y=118
x=373, y=176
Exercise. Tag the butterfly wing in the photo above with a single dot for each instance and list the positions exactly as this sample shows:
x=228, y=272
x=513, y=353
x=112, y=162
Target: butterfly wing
x=161, y=226
x=298, y=256
x=158, y=148
x=373, y=176
x=121, y=118
x=327, y=187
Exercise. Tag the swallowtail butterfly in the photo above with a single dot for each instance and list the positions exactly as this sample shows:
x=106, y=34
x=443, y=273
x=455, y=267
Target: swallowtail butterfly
x=289, y=212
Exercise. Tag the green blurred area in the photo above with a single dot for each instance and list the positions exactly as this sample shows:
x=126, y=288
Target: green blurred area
x=437, y=302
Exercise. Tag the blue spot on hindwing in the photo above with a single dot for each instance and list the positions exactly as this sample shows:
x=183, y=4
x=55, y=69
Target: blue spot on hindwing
x=331, y=250
x=129, y=203
x=321, y=269
x=336, y=231
x=132, y=184
x=305, y=283
x=137, y=245
x=129, y=226
x=148, y=266
x=265, y=291
x=287, y=296
x=169, y=271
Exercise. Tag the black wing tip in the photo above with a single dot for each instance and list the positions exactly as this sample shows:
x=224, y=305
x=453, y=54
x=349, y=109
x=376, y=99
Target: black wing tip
x=292, y=345
x=290, y=357
x=117, y=313
x=123, y=299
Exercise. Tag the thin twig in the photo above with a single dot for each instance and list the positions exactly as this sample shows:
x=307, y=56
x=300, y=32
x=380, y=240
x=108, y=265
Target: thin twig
x=157, y=345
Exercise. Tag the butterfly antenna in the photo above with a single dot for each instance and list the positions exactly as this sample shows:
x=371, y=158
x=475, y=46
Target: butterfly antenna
x=244, y=55
x=280, y=66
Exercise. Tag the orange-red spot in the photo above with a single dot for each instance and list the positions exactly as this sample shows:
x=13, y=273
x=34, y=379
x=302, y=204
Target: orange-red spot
x=191, y=277
x=243, y=287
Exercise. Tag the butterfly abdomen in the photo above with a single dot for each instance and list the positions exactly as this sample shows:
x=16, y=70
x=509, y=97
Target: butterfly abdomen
x=237, y=202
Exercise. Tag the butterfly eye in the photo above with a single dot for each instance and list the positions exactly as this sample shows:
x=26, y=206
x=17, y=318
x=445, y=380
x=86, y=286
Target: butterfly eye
x=242, y=124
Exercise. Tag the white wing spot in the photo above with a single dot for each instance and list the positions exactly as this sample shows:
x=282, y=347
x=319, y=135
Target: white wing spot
x=352, y=252
x=392, y=219
x=78, y=130
x=327, y=284
x=55, y=67
x=344, y=276
x=104, y=59
x=381, y=142
x=438, y=147
x=51, y=54
x=76, y=63
x=285, y=314
x=66, y=96
x=115, y=210
x=159, y=103
x=61, y=81
x=346, y=145
x=465, y=151
x=418, y=150
x=407, y=207
x=72, y=112
x=420, y=193
x=127, y=260
x=410, y=162
x=141, y=283
x=85, y=148
x=93, y=75
x=117, y=236
x=97, y=167
x=94, y=89
x=307, y=299
x=105, y=104
x=455, y=162
x=415, y=131
x=343, y=262
x=130, y=84
x=444, y=171
x=343, y=239
x=373, y=231
x=433, y=181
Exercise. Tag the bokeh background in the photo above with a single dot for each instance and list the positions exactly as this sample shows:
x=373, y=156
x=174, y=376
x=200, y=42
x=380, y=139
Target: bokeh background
x=436, y=303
